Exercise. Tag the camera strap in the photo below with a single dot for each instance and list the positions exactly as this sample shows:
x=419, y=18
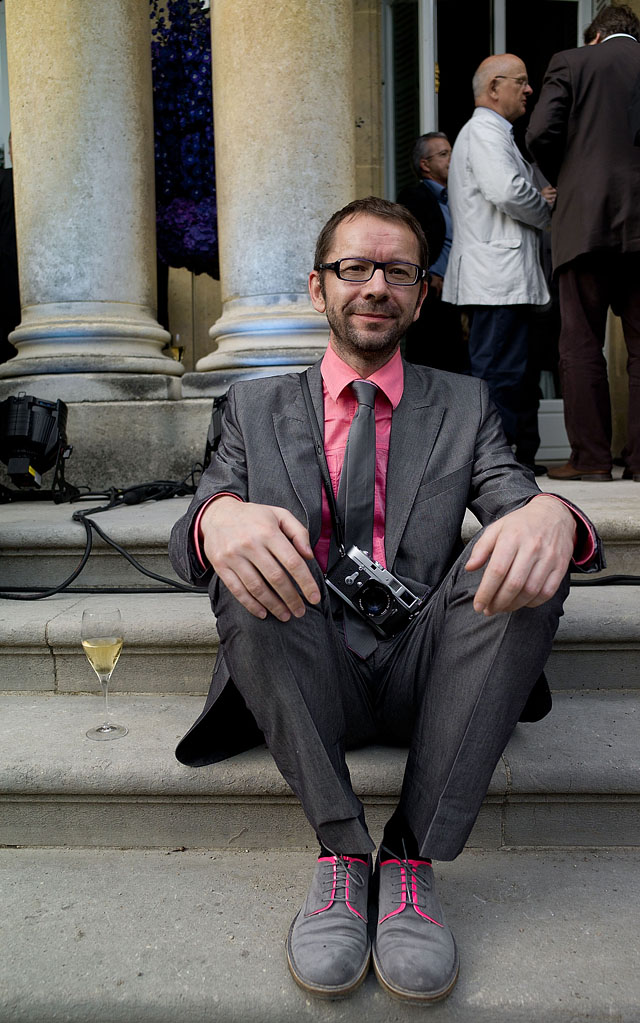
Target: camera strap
x=359, y=635
x=318, y=443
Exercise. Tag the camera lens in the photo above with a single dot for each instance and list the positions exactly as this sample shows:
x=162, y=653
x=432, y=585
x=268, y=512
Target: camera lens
x=374, y=600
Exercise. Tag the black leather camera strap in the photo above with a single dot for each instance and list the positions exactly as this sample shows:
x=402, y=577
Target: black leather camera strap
x=318, y=443
x=359, y=634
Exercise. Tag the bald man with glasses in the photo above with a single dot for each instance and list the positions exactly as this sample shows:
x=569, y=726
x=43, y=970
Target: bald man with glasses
x=494, y=268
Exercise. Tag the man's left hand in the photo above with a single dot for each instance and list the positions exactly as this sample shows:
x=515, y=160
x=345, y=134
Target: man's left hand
x=527, y=554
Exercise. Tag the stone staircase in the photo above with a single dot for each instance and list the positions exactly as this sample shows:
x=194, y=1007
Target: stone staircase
x=136, y=889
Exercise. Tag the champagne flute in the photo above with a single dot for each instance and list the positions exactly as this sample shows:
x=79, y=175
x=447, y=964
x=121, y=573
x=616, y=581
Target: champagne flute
x=102, y=642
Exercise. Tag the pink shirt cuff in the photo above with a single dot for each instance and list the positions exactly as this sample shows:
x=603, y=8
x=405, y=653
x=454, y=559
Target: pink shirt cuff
x=585, y=545
x=196, y=525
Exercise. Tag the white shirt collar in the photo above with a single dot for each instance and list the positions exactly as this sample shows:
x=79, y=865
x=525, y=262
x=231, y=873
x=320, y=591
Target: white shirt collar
x=494, y=113
x=619, y=35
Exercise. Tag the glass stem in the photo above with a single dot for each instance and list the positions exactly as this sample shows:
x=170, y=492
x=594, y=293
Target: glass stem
x=104, y=682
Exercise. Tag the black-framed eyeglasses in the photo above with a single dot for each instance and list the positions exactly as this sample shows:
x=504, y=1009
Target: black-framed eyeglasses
x=443, y=152
x=358, y=271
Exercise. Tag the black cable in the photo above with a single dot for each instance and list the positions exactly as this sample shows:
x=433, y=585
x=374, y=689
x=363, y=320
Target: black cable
x=184, y=587
x=609, y=580
x=24, y=594
x=11, y=590
x=157, y=490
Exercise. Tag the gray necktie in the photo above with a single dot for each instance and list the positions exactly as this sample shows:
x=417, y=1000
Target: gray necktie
x=356, y=500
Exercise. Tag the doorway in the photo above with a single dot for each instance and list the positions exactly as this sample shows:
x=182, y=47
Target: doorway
x=432, y=48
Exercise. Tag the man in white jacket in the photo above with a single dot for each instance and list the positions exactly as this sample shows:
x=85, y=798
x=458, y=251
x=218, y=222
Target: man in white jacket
x=494, y=267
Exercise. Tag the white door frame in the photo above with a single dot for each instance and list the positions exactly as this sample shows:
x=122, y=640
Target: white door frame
x=5, y=123
x=428, y=33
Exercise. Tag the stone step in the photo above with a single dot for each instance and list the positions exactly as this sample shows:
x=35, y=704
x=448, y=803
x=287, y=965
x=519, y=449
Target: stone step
x=615, y=509
x=41, y=545
x=171, y=642
x=572, y=779
x=545, y=936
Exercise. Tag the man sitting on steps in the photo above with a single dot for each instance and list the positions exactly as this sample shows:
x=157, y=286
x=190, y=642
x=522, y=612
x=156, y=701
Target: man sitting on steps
x=404, y=450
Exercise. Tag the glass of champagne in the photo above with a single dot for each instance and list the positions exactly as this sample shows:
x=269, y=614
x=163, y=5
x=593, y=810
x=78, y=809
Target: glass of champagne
x=102, y=643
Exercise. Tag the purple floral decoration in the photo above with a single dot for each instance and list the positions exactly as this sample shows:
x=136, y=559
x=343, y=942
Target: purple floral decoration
x=187, y=232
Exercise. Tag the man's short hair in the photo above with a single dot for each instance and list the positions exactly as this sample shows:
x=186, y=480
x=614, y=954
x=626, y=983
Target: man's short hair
x=420, y=149
x=372, y=206
x=611, y=20
x=480, y=80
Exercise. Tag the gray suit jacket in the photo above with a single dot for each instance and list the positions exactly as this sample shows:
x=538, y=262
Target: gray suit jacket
x=447, y=453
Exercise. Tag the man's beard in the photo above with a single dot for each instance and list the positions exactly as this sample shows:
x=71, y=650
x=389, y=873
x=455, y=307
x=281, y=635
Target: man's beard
x=362, y=342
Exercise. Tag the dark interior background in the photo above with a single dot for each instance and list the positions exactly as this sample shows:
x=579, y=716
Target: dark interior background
x=465, y=32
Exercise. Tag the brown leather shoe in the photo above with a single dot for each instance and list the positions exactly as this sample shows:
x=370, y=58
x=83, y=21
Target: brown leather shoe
x=569, y=472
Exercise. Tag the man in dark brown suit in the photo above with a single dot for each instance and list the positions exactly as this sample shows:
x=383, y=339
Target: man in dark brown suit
x=579, y=136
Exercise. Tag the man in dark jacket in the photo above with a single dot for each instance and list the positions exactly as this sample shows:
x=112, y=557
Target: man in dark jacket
x=580, y=137
x=436, y=339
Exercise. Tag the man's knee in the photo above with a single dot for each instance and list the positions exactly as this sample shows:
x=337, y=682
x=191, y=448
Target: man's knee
x=463, y=585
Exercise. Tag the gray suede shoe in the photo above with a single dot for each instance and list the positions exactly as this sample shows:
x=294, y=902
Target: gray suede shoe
x=414, y=954
x=328, y=947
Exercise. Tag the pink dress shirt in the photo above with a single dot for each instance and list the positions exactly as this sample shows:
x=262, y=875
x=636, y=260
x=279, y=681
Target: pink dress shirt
x=339, y=409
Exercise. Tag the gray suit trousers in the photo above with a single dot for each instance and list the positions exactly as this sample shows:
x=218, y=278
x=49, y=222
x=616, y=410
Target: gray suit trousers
x=451, y=687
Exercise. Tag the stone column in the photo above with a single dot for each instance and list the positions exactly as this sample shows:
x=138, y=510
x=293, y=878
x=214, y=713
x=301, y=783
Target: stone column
x=82, y=131
x=285, y=160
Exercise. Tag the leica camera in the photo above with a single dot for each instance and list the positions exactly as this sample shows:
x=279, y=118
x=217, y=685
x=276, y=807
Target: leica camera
x=372, y=592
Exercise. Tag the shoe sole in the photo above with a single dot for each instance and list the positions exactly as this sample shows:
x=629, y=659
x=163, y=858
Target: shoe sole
x=321, y=990
x=418, y=997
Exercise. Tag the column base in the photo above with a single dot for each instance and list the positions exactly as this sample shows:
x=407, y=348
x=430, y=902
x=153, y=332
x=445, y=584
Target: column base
x=89, y=337
x=281, y=335
x=215, y=382
x=92, y=387
x=118, y=443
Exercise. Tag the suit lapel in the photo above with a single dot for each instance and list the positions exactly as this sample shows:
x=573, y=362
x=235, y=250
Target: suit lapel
x=293, y=433
x=414, y=428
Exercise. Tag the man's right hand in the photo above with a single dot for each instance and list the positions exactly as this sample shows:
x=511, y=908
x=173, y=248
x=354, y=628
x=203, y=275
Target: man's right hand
x=258, y=551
